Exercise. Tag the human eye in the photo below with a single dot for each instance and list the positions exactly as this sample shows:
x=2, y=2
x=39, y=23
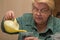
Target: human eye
x=44, y=10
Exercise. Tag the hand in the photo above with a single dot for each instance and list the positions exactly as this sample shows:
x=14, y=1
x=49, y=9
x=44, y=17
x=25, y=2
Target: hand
x=31, y=38
x=9, y=15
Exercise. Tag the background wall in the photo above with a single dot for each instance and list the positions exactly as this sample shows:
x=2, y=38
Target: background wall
x=19, y=7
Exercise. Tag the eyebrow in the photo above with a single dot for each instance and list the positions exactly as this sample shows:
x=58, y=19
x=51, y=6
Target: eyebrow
x=37, y=8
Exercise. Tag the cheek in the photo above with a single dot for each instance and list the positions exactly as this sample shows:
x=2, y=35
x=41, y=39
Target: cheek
x=45, y=16
x=34, y=14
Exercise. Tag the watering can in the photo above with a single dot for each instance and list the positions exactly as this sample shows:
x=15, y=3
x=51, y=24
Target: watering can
x=12, y=26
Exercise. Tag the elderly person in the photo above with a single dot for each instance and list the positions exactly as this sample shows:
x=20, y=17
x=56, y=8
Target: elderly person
x=40, y=21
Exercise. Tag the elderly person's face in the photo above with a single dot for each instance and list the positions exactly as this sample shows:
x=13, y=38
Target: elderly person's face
x=41, y=12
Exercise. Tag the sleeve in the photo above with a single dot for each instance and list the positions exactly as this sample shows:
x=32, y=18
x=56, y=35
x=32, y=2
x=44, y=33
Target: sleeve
x=19, y=20
x=57, y=25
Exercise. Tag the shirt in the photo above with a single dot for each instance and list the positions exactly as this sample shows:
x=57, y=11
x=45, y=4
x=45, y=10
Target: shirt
x=26, y=22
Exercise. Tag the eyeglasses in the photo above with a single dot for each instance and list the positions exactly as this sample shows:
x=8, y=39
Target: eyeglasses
x=43, y=10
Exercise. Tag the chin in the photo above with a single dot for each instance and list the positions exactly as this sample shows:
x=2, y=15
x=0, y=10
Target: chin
x=39, y=22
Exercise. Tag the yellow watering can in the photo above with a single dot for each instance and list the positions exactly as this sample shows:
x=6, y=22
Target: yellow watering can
x=12, y=26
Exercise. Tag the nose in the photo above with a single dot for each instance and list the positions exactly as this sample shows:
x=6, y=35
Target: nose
x=39, y=13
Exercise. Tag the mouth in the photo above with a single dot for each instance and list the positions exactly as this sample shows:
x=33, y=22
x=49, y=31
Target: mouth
x=39, y=18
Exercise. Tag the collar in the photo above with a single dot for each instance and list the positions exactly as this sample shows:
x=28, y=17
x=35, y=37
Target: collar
x=49, y=24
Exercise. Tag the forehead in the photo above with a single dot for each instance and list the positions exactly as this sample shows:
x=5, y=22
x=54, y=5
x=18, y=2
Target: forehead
x=40, y=5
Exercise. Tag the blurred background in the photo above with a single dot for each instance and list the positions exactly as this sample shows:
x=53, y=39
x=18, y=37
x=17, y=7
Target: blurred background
x=19, y=7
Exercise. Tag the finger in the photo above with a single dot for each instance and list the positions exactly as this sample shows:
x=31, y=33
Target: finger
x=29, y=38
x=12, y=15
x=36, y=39
x=32, y=38
x=5, y=17
x=9, y=16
